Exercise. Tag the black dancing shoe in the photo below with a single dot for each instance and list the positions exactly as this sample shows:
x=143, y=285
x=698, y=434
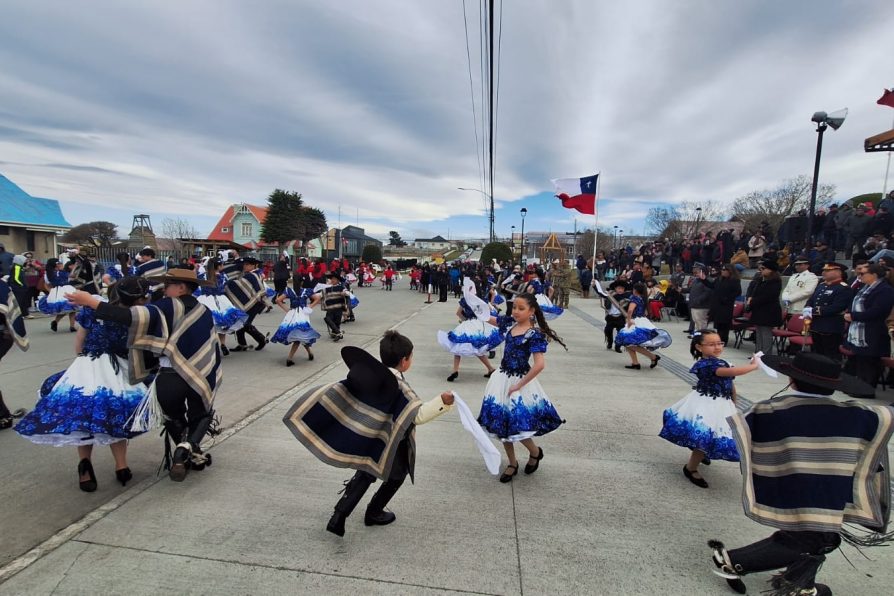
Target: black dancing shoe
x=655, y=361
x=382, y=518
x=310, y=356
x=54, y=325
x=290, y=363
x=73, y=329
x=453, y=376
x=85, y=467
x=617, y=348
x=633, y=366
x=261, y=345
x=180, y=462
x=123, y=476
x=690, y=475
x=531, y=468
x=489, y=373
x=240, y=348
x=506, y=477
x=224, y=351
x=492, y=354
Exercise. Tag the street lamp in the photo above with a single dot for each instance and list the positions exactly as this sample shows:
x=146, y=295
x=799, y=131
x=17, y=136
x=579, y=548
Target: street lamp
x=524, y=212
x=823, y=120
x=698, y=217
x=512, y=242
x=490, y=212
x=615, y=237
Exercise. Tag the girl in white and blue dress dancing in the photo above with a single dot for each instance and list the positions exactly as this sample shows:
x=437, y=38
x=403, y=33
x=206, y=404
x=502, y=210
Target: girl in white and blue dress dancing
x=54, y=302
x=295, y=328
x=92, y=401
x=515, y=407
x=123, y=268
x=640, y=336
x=698, y=421
x=538, y=287
x=473, y=336
x=227, y=318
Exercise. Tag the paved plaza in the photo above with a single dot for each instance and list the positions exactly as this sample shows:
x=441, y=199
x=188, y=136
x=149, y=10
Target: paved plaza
x=608, y=512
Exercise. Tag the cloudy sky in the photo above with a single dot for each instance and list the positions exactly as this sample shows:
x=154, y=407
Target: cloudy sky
x=182, y=108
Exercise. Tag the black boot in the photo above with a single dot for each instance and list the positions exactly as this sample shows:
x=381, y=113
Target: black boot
x=375, y=512
x=178, y=465
x=353, y=491
x=197, y=431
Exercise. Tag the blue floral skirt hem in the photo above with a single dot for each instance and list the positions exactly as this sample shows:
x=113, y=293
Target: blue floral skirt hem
x=699, y=422
x=522, y=415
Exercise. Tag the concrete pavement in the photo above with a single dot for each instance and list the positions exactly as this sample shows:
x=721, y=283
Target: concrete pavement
x=609, y=511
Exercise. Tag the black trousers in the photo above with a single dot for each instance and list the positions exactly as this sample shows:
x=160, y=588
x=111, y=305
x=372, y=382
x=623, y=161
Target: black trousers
x=187, y=417
x=723, y=331
x=867, y=368
x=357, y=486
x=5, y=344
x=784, y=549
x=613, y=324
x=333, y=320
x=250, y=328
x=826, y=344
x=279, y=285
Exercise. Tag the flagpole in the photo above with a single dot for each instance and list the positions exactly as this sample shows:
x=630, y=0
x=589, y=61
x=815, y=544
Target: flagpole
x=887, y=169
x=596, y=219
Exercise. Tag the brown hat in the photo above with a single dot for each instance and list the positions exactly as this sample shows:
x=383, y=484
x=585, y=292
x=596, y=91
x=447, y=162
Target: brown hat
x=181, y=275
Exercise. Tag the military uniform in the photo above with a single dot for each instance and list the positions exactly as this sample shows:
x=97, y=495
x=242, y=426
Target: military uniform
x=799, y=289
x=828, y=304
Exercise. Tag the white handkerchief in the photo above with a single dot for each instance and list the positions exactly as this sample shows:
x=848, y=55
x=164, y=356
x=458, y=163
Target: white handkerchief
x=599, y=290
x=482, y=441
x=767, y=370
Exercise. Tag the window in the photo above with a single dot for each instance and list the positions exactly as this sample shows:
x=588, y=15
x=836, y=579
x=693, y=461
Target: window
x=246, y=229
x=224, y=230
x=29, y=241
x=4, y=230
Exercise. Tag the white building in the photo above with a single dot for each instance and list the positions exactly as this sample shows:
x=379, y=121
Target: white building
x=436, y=243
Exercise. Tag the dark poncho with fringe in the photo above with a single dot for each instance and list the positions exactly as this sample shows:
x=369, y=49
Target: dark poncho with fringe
x=815, y=464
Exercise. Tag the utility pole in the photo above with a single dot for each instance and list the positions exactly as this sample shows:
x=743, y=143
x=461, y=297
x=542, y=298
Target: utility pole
x=491, y=111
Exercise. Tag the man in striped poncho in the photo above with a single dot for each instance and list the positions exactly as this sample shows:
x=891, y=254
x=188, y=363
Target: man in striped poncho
x=811, y=465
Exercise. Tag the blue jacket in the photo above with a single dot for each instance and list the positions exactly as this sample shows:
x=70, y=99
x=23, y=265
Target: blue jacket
x=876, y=309
x=828, y=304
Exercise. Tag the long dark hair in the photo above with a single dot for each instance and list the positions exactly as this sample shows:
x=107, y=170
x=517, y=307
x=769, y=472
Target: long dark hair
x=124, y=259
x=541, y=320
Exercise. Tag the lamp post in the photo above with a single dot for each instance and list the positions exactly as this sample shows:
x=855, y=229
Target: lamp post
x=512, y=242
x=524, y=212
x=823, y=120
x=698, y=219
x=615, y=237
x=490, y=214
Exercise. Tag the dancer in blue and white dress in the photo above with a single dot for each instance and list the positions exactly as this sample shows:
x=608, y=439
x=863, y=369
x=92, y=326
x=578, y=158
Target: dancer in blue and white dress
x=698, y=421
x=538, y=287
x=227, y=318
x=515, y=408
x=123, y=268
x=295, y=328
x=54, y=302
x=92, y=401
x=640, y=336
x=474, y=336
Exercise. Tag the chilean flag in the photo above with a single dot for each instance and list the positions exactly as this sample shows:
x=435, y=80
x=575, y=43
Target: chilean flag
x=577, y=193
x=887, y=98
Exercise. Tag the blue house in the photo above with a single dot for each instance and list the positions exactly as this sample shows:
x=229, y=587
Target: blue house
x=29, y=224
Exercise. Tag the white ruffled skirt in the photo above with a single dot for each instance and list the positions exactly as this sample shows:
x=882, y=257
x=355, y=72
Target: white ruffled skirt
x=550, y=310
x=699, y=422
x=470, y=338
x=522, y=415
x=296, y=327
x=227, y=318
x=55, y=303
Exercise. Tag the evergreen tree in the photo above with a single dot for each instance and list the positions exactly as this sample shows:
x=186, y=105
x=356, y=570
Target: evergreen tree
x=372, y=253
x=311, y=223
x=395, y=239
x=496, y=250
x=283, y=214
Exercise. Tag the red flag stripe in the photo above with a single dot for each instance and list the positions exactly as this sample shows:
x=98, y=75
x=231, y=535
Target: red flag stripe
x=887, y=98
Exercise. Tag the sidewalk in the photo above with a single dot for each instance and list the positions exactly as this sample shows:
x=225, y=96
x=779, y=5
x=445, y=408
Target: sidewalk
x=609, y=511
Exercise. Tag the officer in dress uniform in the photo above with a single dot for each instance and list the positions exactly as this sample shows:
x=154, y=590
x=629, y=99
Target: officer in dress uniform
x=825, y=311
x=800, y=286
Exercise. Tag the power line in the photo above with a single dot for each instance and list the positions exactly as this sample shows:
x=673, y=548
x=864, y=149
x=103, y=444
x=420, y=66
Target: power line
x=479, y=153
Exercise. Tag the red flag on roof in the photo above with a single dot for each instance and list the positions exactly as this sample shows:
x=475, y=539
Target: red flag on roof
x=887, y=98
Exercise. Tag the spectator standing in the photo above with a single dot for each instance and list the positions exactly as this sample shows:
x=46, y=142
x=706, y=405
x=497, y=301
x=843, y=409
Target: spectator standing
x=825, y=310
x=757, y=246
x=699, y=298
x=867, y=335
x=800, y=286
x=725, y=290
x=858, y=229
x=764, y=305
x=282, y=270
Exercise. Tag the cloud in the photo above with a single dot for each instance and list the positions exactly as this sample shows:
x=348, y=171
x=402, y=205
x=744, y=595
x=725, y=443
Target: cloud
x=189, y=107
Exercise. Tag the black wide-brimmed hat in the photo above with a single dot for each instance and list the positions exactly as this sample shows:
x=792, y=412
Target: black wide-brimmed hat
x=369, y=380
x=248, y=260
x=182, y=275
x=817, y=369
x=619, y=283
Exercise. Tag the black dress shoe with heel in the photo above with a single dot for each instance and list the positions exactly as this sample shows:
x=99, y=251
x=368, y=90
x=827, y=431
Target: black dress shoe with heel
x=123, y=476
x=700, y=482
x=453, y=376
x=655, y=361
x=633, y=366
x=85, y=467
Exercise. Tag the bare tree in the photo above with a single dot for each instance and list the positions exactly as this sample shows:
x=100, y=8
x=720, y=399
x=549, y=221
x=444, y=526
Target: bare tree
x=176, y=229
x=774, y=205
x=664, y=222
x=603, y=242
